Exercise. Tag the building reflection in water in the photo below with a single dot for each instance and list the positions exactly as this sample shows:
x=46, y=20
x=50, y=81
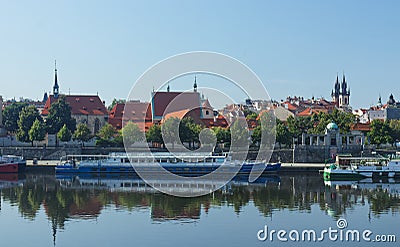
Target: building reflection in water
x=75, y=197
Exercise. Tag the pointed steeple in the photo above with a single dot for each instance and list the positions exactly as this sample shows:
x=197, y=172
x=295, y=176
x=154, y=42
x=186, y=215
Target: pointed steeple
x=45, y=97
x=337, y=86
x=195, y=84
x=168, y=88
x=344, y=85
x=55, y=87
x=380, y=100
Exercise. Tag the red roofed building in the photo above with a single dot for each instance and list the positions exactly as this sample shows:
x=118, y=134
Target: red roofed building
x=87, y=109
x=134, y=111
x=181, y=104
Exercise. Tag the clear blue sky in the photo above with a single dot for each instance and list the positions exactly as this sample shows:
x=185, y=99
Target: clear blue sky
x=296, y=47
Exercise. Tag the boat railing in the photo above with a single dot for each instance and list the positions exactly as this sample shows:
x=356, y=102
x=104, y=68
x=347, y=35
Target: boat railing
x=143, y=158
x=345, y=162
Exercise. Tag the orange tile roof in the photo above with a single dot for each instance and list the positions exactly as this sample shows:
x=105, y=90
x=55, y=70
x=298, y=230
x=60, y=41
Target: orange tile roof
x=80, y=105
x=361, y=126
x=166, y=102
x=310, y=111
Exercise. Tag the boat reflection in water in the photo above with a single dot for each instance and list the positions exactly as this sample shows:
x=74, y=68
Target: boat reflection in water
x=10, y=180
x=85, y=197
x=133, y=183
x=390, y=186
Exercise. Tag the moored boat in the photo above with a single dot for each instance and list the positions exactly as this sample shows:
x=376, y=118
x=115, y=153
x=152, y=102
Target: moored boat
x=12, y=164
x=359, y=168
x=189, y=165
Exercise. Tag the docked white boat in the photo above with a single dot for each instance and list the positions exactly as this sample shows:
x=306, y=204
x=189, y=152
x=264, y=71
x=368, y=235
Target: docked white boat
x=350, y=168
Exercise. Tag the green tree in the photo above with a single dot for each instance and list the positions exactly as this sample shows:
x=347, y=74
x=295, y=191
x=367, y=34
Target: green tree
x=11, y=116
x=283, y=135
x=207, y=137
x=395, y=129
x=37, y=131
x=239, y=134
x=131, y=133
x=154, y=135
x=189, y=131
x=107, y=132
x=223, y=135
x=64, y=134
x=344, y=120
x=60, y=114
x=82, y=133
x=186, y=130
x=299, y=125
x=265, y=135
x=26, y=119
x=170, y=130
x=256, y=135
x=380, y=132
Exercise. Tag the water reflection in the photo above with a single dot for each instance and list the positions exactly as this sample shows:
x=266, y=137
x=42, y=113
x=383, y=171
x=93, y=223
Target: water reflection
x=85, y=197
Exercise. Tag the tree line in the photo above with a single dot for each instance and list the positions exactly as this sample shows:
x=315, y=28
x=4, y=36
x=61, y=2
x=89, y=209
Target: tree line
x=27, y=124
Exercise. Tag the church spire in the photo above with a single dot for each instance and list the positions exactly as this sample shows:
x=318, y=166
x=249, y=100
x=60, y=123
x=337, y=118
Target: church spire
x=195, y=84
x=344, y=85
x=55, y=87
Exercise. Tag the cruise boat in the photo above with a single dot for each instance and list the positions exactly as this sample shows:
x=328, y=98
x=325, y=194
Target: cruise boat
x=12, y=164
x=350, y=168
x=190, y=165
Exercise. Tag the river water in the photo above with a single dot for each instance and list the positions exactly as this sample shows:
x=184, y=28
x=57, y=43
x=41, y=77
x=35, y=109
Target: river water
x=124, y=211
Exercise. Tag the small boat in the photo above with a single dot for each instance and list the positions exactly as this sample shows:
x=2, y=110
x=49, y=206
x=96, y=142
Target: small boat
x=189, y=165
x=12, y=164
x=359, y=168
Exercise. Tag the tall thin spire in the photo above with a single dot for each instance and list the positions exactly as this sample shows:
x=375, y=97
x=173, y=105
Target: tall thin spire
x=55, y=87
x=195, y=84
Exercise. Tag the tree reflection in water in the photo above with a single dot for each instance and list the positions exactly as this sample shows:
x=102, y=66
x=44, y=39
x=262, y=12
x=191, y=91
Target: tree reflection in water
x=296, y=193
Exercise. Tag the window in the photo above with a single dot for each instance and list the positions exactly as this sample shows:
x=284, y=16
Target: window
x=207, y=112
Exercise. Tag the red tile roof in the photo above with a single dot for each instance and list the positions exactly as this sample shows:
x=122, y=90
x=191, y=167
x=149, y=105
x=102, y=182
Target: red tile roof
x=80, y=105
x=135, y=111
x=311, y=111
x=166, y=102
x=361, y=127
x=177, y=114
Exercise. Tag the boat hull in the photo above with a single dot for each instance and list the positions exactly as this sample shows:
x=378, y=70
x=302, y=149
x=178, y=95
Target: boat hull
x=182, y=169
x=342, y=175
x=9, y=168
x=360, y=172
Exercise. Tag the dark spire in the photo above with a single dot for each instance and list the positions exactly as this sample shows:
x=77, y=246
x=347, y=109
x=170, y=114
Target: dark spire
x=391, y=101
x=55, y=87
x=336, y=89
x=45, y=97
x=195, y=84
x=344, y=85
x=168, y=88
